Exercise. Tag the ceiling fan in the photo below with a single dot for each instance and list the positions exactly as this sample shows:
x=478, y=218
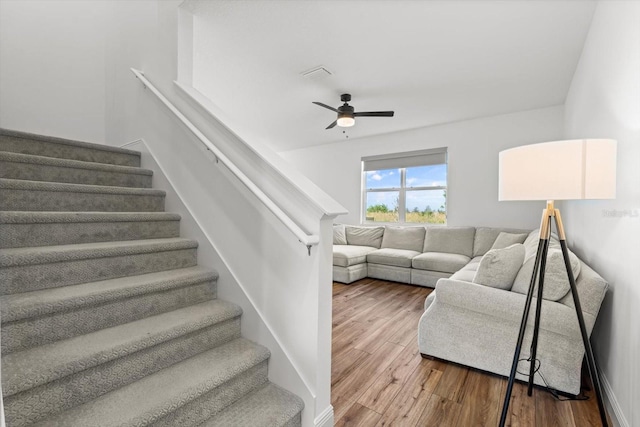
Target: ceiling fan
x=346, y=114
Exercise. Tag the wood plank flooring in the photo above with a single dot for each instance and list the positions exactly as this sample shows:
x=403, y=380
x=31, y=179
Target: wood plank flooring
x=379, y=379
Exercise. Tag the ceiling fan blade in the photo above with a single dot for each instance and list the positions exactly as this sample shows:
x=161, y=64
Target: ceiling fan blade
x=332, y=125
x=374, y=114
x=325, y=106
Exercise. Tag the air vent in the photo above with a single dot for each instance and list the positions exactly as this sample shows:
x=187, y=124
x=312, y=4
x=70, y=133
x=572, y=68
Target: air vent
x=317, y=73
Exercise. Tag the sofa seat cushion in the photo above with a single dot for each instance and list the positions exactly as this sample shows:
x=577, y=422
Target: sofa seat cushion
x=346, y=255
x=467, y=273
x=473, y=264
x=439, y=261
x=464, y=275
x=395, y=257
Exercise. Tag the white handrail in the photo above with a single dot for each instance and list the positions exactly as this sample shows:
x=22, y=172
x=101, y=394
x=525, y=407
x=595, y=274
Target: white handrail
x=308, y=240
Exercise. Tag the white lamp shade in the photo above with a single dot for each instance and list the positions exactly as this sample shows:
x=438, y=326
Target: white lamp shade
x=560, y=170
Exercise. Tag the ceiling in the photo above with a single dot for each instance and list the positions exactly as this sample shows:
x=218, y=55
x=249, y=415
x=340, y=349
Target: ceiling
x=432, y=62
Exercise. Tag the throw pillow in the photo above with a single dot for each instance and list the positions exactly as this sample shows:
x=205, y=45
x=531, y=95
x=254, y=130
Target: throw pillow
x=339, y=236
x=498, y=267
x=505, y=240
x=556, y=282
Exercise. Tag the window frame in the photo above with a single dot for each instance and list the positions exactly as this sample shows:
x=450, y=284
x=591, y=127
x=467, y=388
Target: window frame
x=402, y=190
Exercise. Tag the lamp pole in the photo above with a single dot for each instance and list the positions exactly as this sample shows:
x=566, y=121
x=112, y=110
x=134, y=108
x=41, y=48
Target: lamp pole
x=540, y=264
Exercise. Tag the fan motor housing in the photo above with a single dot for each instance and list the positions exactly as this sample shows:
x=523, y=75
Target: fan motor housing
x=346, y=109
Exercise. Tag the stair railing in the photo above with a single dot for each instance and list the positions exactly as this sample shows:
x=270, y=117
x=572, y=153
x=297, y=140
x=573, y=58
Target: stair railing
x=308, y=240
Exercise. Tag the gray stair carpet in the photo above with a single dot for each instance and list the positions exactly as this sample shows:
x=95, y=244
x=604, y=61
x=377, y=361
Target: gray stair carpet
x=107, y=320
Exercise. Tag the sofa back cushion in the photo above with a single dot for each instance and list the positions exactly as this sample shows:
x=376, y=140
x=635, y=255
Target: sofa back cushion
x=453, y=240
x=364, y=236
x=556, y=282
x=504, y=240
x=485, y=237
x=591, y=290
x=409, y=238
x=339, y=236
x=498, y=267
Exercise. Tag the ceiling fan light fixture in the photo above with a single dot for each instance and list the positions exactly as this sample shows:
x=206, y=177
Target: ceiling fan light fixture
x=345, y=120
x=347, y=115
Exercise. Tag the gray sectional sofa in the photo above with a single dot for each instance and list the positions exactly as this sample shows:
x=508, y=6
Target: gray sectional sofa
x=481, y=277
x=416, y=255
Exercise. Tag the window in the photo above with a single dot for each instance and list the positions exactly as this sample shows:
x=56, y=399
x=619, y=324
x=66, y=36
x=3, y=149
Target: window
x=405, y=187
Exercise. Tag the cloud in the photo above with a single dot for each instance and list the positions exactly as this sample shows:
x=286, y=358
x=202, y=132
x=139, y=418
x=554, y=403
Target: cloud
x=376, y=177
x=411, y=180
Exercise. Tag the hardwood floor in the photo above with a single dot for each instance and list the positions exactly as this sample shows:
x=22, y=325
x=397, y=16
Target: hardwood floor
x=379, y=379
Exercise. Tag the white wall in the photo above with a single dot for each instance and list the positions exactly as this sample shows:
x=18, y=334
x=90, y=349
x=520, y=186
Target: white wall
x=473, y=146
x=65, y=72
x=604, y=102
x=285, y=294
x=52, y=67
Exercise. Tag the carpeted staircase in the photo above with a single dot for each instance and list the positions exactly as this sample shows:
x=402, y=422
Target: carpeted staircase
x=107, y=320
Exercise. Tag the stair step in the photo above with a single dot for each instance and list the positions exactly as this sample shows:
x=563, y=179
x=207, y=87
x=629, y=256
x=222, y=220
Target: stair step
x=271, y=406
x=36, y=268
x=45, y=380
x=29, y=143
x=41, y=317
x=24, y=229
x=185, y=394
x=22, y=195
x=50, y=169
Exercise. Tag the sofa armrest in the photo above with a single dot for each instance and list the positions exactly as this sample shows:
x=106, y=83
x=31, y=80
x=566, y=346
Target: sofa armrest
x=555, y=317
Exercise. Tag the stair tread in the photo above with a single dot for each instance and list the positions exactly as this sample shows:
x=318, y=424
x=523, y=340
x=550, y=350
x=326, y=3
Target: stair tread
x=65, y=141
x=70, y=163
x=26, y=305
x=189, y=358
x=166, y=390
x=53, y=217
x=58, y=253
x=35, y=366
x=268, y=407
x=22, y=184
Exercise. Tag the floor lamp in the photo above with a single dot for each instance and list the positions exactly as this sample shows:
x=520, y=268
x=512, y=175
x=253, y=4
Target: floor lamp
x=560, y=170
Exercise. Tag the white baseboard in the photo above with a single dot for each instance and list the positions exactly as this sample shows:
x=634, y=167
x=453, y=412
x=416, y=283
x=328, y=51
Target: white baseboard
x=613, y=407
x=325, y=419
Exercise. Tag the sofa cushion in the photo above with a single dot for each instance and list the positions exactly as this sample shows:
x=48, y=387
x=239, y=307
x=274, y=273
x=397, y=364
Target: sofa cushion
x=467, y=272
x=410, y=238
x=464, y=275
x=346, y=255
x=473, y=264
x=485, y=237
x=556, y=282
x=504, y=240
x=364, y=236
x=438, y=261
x=339, y=236
x=499, y=267
x=389, y=256
x=452, y=240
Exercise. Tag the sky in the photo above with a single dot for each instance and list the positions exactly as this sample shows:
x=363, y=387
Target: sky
x=422, y=176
